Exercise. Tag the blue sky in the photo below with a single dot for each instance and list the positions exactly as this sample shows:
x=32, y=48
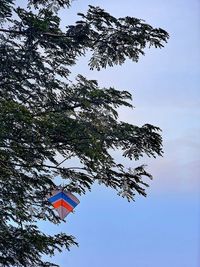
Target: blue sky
x=164, y=228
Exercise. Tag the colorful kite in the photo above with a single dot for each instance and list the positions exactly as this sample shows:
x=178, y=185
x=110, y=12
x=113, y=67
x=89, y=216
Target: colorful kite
x=64, y=202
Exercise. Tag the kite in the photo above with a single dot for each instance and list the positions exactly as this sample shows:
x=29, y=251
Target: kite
x=64, y=202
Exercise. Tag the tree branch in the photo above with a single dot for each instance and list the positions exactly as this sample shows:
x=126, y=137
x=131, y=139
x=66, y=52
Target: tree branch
x=42, y=165
x=43, y=33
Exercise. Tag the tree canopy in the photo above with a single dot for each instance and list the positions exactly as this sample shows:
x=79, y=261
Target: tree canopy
x=47, y=120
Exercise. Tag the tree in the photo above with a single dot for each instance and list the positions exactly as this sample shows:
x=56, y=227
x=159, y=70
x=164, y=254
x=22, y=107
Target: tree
x=46, y=119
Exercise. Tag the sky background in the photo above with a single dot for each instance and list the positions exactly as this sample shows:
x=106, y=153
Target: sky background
x=164, y=228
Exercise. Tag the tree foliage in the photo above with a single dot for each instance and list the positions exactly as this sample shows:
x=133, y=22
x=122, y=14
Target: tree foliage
x=47, y=120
